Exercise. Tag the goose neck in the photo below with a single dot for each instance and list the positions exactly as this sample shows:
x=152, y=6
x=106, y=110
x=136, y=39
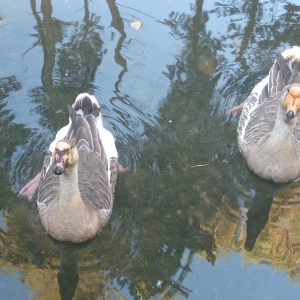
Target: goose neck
x=69, y=185
x=283, y=126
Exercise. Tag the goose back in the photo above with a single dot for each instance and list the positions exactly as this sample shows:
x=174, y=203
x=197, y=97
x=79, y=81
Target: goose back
x=260, y=110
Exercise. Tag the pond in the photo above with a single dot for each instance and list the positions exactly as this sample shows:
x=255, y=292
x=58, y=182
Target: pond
x=190, y=221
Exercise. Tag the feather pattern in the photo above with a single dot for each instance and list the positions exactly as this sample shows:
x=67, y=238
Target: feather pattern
x=264, y=130
x=89, y=204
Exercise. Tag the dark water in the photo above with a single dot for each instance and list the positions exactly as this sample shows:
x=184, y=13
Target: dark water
x=178, y=230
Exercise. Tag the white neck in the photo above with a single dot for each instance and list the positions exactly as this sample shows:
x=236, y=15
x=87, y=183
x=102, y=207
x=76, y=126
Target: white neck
x=69, y=190
x=283, y=130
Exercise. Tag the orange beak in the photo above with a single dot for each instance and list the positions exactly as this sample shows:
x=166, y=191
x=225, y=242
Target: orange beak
x=292, y=102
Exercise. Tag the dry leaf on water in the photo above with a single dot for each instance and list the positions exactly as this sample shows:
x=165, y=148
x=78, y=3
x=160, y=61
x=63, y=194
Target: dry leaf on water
x=136, y=24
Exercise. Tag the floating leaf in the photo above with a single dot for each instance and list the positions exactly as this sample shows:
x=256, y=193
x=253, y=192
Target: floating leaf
x=136, y=24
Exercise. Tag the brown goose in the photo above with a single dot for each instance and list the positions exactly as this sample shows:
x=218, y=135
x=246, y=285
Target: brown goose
x=78, y=177
x=268, y=130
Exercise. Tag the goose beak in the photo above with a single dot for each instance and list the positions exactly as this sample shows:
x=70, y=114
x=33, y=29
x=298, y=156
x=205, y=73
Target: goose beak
x=58, y=169
x=59, y=165
x=62, y=157
x=292, y=102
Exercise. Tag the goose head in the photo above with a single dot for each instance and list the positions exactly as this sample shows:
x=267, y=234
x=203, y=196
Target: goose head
x=291, y=103
x=65, y=156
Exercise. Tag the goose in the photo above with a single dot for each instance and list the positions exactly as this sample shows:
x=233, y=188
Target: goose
x=268, y=129
x=77, y=182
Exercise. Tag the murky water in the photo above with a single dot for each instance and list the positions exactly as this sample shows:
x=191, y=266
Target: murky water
x=178, y=229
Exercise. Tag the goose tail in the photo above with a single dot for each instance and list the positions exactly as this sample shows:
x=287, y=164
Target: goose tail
x=292, y=53
x=86, y=104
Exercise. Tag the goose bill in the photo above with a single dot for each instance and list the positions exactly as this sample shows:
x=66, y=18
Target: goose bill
x=58, y=169
x=61, y=161
x=292, y=105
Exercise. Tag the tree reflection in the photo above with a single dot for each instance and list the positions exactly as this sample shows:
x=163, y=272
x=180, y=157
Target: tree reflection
x=118, y=24
x=189, y=195
x=72, y=54
x=279, y=239
x=11, y=135
x=193, y=188
x=176, y=207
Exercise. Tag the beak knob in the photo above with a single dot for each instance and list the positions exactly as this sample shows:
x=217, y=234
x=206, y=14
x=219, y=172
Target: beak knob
x=290, y=114
x=58, y=170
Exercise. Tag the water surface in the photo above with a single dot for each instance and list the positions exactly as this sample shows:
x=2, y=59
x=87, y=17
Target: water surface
x=189, y=221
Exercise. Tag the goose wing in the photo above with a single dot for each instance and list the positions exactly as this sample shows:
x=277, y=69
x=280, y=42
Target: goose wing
x=97, y=166
x=49, y=187
x=261, y=107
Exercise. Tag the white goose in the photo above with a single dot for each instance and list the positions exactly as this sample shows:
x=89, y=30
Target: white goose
x=268, y=130
x=78, y=177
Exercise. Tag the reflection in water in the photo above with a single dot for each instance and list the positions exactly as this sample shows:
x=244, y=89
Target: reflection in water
x=69, y=66
x=118, y=24
x=278, y=243
x=188, y=195
x=11, y=135
x=49, y=31
x=68, y=275
x=258, y=214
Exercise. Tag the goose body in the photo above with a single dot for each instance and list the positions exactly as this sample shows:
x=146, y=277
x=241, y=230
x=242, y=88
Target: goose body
x=268, y=129
x=78, y=177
